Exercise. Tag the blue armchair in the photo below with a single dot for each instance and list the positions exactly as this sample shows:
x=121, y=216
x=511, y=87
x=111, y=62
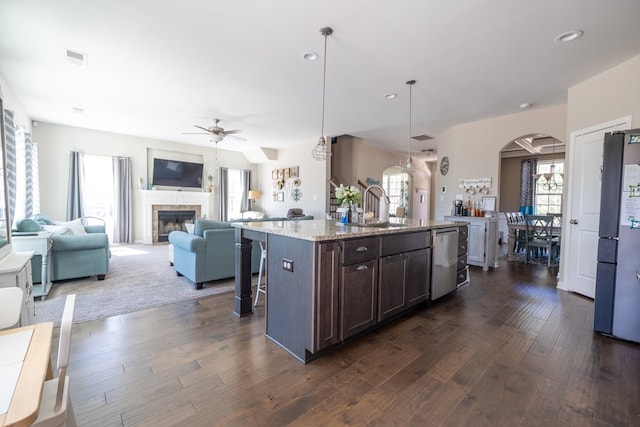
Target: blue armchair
x=209, y=253
x=73, y=255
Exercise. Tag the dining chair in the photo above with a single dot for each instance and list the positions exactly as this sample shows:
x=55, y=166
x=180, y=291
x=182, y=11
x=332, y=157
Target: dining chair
x=400, y=212
x=261, y=289
x=540, y=236
x=55, y=405
x=520, y=241
x=10, y=306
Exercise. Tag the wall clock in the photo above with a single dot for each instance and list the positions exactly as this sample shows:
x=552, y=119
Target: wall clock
x=444, y=165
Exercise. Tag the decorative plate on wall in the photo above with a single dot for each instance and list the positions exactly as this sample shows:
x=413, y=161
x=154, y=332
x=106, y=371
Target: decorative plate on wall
x=444, y=165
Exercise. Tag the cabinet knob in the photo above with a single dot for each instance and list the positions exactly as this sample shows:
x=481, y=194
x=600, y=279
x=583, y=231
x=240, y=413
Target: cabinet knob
x=361, y=249
x=362, y=268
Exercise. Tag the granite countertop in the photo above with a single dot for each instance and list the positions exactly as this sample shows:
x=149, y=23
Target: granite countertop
x=321, y=229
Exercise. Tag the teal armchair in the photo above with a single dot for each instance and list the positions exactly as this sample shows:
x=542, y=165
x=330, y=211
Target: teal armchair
x=209, y=253
x=72, y=255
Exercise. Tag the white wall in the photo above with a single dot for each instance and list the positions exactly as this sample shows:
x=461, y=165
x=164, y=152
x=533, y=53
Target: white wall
x=605, y=97
x=313, y=177
x=474, y=149
x=11, y=102
x=55, y=142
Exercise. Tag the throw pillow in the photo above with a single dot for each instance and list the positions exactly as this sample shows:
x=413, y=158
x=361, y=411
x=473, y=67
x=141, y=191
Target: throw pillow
x=43, y=219
x=28, y=225
x=190, y=227
x=58, y=230
x=75, y=226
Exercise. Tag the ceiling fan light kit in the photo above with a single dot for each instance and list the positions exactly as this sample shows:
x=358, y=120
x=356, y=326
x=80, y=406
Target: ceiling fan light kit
x=322, y=151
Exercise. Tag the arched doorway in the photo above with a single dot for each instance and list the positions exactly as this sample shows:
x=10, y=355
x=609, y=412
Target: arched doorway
x=531, y=179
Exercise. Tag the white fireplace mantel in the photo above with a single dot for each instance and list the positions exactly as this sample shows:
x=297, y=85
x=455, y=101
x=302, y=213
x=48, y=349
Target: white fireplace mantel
x=162, y=197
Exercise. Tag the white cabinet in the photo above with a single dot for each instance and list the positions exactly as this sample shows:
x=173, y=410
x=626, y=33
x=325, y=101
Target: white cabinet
x=15, y=270
x=483, y=240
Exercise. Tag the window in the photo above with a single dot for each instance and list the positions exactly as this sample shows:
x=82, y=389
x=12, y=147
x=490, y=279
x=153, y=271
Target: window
x=395, y=185
x=98, y=189
x=548, y=198
x=237, y=191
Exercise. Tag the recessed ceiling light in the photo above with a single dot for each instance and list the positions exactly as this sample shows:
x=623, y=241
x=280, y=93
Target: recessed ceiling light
x=569, y=36
x=390, y=95
x=310, y=56
x=525, y=105
x=78, y=110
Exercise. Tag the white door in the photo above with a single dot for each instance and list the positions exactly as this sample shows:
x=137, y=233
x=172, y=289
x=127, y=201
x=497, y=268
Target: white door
x=580, y=224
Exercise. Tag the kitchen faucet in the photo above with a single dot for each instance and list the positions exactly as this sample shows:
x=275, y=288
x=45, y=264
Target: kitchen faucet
x=384, y=203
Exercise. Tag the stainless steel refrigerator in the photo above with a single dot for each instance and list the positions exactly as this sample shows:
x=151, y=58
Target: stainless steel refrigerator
x=617, y=300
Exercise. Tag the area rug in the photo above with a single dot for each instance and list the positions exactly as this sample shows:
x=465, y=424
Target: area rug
x=139, y=277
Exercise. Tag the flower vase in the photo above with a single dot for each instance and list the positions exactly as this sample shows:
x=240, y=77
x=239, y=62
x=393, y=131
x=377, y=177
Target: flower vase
x=346, y=213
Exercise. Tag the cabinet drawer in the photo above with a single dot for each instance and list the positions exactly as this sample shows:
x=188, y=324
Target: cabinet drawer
x=463, y=233
x=462, y=261
x=462, y=248
x=408, y=242
x=359, y=250
x=461, y=276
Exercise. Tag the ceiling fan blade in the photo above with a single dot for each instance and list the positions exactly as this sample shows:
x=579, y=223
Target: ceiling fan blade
x=204, y=129
x=236, y=137
x=231, y=132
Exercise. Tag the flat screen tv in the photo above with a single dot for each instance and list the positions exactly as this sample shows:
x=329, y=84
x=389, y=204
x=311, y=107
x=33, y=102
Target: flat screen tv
x=175, y=173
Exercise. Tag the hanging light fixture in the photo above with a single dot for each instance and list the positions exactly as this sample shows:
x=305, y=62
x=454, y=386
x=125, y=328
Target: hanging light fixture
x=409, y=167
x=551, y=180
x=322, y=151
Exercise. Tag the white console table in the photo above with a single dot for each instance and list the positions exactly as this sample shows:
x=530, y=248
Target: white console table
x=40, y=244
x=483, y=240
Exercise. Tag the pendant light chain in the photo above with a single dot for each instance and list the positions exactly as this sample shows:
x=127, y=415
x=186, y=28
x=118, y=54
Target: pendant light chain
x=322, y=151
x=324, y=82
x=409, y=168
x=410, y=98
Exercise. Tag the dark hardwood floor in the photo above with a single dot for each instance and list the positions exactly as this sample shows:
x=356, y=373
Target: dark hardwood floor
x=507, y=349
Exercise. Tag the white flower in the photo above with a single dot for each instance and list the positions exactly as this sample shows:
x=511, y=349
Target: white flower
x=348, y=194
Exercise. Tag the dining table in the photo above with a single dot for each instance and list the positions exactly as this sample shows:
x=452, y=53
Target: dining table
x=25, y=364
x=513, y=229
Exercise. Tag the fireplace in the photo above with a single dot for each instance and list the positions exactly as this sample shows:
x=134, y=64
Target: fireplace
x=165, y=200
x=169, y=221
x=167, y=218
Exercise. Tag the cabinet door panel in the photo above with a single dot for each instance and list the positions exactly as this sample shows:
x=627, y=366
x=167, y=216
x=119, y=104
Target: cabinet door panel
x=476, y=247
x=391, y=296
x=327, y=331
x=358, y=283
x=417, y=276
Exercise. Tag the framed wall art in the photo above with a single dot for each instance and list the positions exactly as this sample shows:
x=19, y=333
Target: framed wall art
x=280, y=173
x=295, y=172
x=287, y=173
x=274, y=174
x=280, y=196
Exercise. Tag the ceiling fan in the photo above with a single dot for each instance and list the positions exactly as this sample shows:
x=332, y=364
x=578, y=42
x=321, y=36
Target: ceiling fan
x=216, y=133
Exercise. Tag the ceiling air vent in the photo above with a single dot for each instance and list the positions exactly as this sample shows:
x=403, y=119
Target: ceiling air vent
x=75, y=57
x=422, y=137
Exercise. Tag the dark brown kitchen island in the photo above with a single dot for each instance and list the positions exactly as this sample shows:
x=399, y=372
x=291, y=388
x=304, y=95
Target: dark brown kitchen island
x=328, y=282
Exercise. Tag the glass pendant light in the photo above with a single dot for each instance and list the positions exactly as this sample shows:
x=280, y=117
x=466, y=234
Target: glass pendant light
x=409, y=168
x=322, y=151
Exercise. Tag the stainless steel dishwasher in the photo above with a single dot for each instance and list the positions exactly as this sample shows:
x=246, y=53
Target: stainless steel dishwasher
x=444, y=261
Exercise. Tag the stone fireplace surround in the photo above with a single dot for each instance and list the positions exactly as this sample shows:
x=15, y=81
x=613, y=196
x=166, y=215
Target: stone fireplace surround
x=154, y=200
x=156, y=209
